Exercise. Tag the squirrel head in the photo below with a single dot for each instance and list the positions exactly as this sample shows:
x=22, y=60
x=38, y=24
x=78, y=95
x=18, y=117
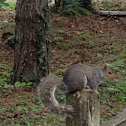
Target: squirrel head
x=110, y=75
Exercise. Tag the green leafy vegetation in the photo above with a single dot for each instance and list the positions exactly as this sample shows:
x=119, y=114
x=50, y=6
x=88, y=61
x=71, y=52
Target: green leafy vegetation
x=5, y=75
x=7, y=4
x=59, y=39
x=63, y=45
x=60, y=71
x=74, y=8
x=112, y=5
x=3, y=25
x=25, y=110
x=43, y=40
x=89, y=39
x=112, y=93
x=10, y=41
x=2, y=3
x=21, y=102
x=23, y=84
x=121, y=6
x=11, y=4
x=107, y=5
x=99, y=56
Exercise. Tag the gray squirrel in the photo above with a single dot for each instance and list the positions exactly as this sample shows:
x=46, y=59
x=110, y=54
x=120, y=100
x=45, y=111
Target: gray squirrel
x=75, y=79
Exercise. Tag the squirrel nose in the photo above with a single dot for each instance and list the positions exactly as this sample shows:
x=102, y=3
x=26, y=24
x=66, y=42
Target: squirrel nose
x=115, y=77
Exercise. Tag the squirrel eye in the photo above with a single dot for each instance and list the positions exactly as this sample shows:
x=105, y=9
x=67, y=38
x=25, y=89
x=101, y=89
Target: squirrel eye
x=110, y=73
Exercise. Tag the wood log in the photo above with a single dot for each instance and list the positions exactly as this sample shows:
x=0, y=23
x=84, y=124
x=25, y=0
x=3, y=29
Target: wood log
x=118, y=120
x=87, y=107
x=112, y=13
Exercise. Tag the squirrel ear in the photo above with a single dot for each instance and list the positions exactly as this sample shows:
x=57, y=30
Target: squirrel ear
x=105, y=67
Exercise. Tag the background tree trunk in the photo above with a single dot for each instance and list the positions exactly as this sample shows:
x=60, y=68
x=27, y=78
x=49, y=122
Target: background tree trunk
x=57, y=3
x=87, y=4
x=31, y=40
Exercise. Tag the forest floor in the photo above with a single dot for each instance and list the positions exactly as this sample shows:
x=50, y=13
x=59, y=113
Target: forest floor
x=92, y=40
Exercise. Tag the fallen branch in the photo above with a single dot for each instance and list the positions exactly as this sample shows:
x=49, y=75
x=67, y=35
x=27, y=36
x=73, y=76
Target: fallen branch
x=112, y=13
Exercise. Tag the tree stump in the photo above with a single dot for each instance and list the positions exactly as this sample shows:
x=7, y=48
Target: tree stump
x=87, y=107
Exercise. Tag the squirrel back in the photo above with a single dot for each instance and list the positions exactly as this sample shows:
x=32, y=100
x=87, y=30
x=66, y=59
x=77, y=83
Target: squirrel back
x=78, y=76
x=46, y=90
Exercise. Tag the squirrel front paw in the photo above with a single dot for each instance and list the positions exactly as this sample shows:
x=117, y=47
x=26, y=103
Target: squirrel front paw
x=87, y=90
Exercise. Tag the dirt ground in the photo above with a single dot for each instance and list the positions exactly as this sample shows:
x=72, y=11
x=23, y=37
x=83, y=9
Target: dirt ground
x=103, y=31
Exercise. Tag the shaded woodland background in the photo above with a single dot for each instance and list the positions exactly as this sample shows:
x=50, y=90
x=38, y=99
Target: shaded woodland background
x=89, y=39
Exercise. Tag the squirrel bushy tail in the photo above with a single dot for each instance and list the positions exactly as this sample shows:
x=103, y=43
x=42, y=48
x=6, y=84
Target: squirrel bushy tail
x=46, y=92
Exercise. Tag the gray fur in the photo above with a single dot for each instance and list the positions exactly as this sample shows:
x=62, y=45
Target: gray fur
x=73, y=77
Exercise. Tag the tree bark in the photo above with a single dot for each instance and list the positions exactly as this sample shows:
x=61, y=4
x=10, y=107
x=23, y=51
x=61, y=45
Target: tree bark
x=31, y=40
x=87, y=107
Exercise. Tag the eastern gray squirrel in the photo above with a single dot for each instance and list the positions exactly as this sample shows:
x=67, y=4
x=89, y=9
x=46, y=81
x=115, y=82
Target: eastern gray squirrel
x=75, y=79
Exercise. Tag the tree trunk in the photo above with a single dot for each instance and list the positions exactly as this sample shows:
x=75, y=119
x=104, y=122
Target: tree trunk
x=57, y=3
x=31, y=40
x=87, y=4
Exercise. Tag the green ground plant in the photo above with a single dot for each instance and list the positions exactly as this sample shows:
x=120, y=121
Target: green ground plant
x=112, y=92
x=2, y=3
x=7, y=4
x=59, y=39
x=74, y=8
x=11, y=4
x=122, y=6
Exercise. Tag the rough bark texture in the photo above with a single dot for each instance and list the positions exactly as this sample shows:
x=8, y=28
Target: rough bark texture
x=31, y=40
x=87, y=106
